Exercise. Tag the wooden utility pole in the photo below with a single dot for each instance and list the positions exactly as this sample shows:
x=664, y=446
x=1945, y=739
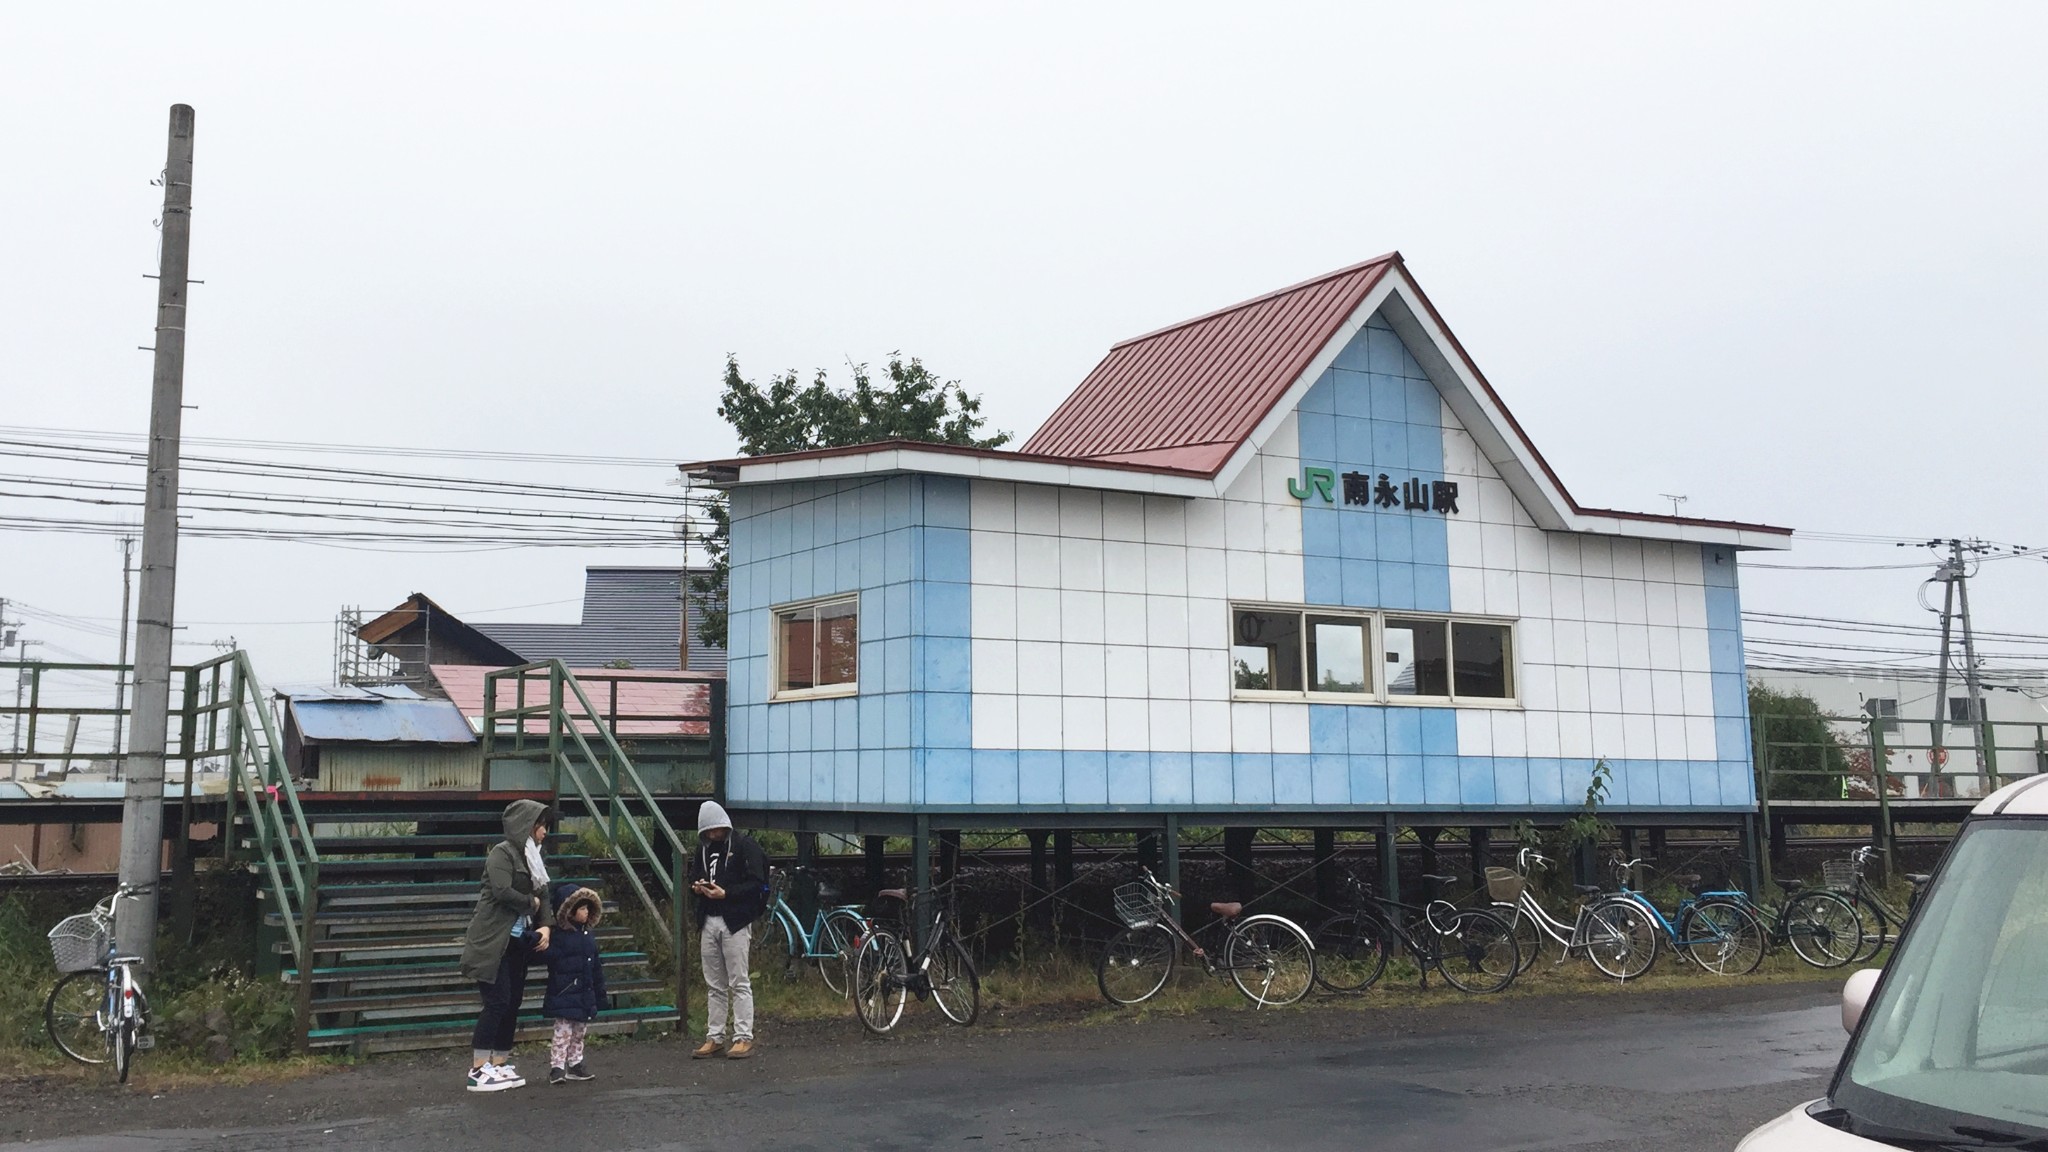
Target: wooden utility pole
x=142, y=809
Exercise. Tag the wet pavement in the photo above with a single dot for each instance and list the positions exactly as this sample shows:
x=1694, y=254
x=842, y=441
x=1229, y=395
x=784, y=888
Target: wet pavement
x=1676, y=1071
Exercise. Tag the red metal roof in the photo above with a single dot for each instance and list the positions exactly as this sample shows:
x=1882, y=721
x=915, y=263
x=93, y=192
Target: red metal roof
x=1185, y=397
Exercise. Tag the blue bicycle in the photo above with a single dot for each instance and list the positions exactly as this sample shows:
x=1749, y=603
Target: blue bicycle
x=1714, y=931
x=828, y=943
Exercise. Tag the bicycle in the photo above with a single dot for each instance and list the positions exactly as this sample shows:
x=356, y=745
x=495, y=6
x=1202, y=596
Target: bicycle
x=827, y=944
x=97, y=1011
x=1721, y=936
x=1878, y=921
x=1268, y=957
x=1616, y=935
x=1473, y=949
x=1821, y=927
x=885, y=974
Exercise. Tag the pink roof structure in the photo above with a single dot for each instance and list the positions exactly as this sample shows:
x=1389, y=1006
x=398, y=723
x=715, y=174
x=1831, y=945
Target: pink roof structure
x=649, y=703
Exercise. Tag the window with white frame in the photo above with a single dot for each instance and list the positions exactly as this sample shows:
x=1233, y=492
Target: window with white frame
x=817, y=648
x=1280, y=651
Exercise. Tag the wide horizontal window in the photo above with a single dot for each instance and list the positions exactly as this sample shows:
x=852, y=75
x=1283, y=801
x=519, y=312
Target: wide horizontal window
x=1330, y=654
x=817, y=648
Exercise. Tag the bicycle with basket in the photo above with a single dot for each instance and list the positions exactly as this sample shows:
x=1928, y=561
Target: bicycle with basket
x=97, y=1012
x=1270, y=959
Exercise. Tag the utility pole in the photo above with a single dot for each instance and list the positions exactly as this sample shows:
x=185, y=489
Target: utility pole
x=1954, y=574
x=142, y=809
x=121, y=673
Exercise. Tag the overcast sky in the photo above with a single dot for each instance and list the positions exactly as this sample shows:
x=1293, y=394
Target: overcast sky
x=1787, y=260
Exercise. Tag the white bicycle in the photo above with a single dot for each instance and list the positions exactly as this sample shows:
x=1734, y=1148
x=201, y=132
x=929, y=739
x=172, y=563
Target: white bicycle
x=97, y=1012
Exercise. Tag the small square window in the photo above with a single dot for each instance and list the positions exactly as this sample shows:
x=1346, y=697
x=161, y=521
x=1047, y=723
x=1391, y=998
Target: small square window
x=817, y=648
x=1265, y=653
x=1484, y=661
x=1418, y=658
x=1338, y=651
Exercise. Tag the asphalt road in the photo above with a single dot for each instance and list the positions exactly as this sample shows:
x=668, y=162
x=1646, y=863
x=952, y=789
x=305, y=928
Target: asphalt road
x=1675, y=1071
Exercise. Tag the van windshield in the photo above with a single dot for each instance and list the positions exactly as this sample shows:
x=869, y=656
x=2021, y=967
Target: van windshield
x=1958, y=1035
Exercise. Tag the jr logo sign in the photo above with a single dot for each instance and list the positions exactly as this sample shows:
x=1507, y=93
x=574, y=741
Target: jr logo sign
x=1414, y=495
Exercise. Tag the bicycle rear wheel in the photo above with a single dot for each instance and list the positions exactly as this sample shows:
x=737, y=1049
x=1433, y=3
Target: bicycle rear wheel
x=1351, y=952
x=1723, y=937
x=956, y=987
x=124, y=1048
x=72, y=1015
x=1475, y=951
x=1137, y=964
x=879, y=985
x=1528, y=937
x=1271, y=960
x=841, y=931
x=1619, y=938
x=1823, y=929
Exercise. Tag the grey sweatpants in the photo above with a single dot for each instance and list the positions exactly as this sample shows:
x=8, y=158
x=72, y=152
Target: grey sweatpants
x=725, y=979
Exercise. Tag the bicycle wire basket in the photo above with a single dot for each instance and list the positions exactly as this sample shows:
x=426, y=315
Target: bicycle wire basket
x=79, y=943
x=1504, y=885
x=1840, y=873
x=1138, y=904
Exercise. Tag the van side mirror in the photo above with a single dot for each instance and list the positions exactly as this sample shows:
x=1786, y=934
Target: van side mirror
x=1856, y=996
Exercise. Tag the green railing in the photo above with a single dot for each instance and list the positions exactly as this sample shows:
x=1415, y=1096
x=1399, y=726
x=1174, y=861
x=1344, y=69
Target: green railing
x=559, y=731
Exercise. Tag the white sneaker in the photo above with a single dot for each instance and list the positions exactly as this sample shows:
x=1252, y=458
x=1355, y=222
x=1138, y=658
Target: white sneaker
x=487, y=1079
x=508, y=1076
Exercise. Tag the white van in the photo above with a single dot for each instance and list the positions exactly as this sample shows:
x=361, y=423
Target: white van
x=1948, y=1046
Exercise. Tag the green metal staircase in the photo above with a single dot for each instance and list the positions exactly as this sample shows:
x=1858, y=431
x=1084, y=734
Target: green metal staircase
x=366, y=903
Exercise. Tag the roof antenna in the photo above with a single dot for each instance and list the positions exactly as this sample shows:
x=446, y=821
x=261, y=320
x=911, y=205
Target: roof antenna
x=1676, y=500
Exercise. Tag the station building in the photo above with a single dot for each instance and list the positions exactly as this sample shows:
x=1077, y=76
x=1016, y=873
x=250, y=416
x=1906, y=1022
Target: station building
x=1291, y=563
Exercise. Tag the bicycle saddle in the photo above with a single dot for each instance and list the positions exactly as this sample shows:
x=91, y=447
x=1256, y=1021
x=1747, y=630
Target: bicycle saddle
x=1791, y=885
x=902, y=894
x=1586, y=889
x=1438, y=879
x=1918, y=879
x=1686, y=879
x=1229, y=910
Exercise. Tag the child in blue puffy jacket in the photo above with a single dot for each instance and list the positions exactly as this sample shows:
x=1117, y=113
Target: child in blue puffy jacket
x=575, y=982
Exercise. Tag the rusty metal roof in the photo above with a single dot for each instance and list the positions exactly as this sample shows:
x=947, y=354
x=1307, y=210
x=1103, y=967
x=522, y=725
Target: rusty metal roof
x=1186, y=396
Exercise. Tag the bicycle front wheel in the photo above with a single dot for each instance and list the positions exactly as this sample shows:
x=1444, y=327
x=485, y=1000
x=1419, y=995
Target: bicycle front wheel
x=1822, y=929
x=1875, y=925
x=124, y=1048
x=1137, y=964
x=956, y=987
x=1528, y=937
x=1271, y=960
x=1476, y=952
x=1619, y=938
x=1351, y=952
x=73, y=1014
x=1723, y=938
x=773, y=950
x=880, y=987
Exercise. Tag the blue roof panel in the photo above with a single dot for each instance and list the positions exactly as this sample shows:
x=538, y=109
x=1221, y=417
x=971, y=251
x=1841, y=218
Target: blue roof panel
x=382, y=721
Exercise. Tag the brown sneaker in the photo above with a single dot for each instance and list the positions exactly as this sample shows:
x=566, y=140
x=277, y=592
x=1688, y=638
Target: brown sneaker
x=707, y=1050
x=740, y=1050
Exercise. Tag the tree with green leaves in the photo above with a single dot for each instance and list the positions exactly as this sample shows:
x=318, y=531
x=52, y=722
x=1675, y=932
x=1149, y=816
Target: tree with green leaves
x=789, y=415
x=1798, y=745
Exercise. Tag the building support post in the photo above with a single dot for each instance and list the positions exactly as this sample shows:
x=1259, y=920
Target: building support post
x=1237, y=859
x=1390, y=857
x=872, y=849
x=1170, y=845
x=1482, y=852
x=1326, y=866
x=921, y=879
x=1040, y=918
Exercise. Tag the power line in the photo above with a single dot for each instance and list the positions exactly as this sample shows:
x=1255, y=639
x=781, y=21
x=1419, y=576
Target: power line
x=357, y=449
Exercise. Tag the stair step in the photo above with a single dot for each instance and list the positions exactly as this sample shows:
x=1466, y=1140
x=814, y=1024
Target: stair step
x=414, y=890
x=346, y=973
x=465, y=998
x=339, y=915
x=445, y=942
x=439, y=1034
x=399, y=842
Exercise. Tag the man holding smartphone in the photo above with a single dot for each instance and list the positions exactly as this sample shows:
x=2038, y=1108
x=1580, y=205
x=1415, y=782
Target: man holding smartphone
x=729, y=876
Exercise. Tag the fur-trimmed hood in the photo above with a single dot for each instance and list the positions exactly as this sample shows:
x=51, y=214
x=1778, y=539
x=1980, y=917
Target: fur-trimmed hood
x=566, y=908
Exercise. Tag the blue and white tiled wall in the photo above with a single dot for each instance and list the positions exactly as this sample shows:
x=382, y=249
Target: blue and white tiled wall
x=1032, y=646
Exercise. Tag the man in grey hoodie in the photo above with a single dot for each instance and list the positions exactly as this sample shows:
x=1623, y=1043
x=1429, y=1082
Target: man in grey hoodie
x=729, y=876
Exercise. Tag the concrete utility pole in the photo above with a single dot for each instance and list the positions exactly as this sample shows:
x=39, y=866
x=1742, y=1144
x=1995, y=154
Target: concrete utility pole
x=121, y=673
x=142, y=809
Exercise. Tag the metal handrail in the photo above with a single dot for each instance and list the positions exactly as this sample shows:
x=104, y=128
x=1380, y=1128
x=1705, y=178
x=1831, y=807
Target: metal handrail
x=611, y=800
x=284, y=837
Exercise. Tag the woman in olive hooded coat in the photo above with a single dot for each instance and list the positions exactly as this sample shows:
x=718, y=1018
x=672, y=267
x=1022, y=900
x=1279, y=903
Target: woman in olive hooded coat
x=502, y=938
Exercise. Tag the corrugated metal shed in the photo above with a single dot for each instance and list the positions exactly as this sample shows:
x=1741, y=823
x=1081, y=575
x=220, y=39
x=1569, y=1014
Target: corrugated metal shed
x=1187, y=396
